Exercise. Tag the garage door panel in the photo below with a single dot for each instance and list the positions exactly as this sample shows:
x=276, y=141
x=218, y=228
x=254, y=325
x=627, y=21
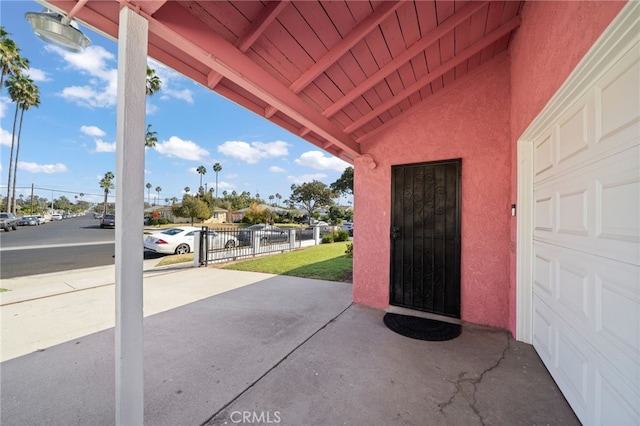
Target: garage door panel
x=594, y=209
x=619, y=203
x=616, y=327
x=543, y=274
x=614, y=401
x=572, y=210
x=543, y=155
x=574, y=132
x=566, y=358
x=618, y=100
x=590, y=382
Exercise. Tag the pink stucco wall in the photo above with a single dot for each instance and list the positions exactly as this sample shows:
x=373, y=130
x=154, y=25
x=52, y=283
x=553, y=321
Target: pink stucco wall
x=553, y=38
x=471, y=122
x=478, y=120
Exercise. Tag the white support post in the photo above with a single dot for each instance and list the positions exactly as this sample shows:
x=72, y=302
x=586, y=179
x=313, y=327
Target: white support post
x=130, y=134
x=292, y=239
x=316, y=235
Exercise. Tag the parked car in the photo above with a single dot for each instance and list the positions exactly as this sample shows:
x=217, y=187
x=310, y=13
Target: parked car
x=267, y=234
x=56, y=216
x=28, y=221
x=180, y=240
x=108, y=221
x=8, y=221
x=40, y=219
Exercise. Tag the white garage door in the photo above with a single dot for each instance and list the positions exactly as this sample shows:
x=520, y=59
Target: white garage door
x=586, y=247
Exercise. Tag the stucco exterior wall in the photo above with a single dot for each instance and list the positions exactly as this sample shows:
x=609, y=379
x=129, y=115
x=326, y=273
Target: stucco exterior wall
x=553, y=38
x=471, y=122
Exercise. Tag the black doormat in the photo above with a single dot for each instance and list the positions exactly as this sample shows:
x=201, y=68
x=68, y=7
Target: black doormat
x=422, y=328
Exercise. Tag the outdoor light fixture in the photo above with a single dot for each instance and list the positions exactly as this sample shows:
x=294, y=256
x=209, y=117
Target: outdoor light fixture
x=56, y=29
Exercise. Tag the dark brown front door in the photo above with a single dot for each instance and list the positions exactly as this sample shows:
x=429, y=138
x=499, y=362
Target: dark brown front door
x=425, y=237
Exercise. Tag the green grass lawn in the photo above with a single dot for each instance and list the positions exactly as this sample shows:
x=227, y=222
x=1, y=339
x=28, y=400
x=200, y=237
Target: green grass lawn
x=324, y=262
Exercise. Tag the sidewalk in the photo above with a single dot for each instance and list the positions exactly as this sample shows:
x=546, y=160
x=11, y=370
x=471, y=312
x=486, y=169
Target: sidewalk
x=84, y=301
x=265, y=349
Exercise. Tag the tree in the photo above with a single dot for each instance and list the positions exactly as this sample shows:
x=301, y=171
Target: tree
x=311, y=195
x=271, y=198
x=174, y=200
x=217, y=168
x=153, y=83
x=158, y=189
x=202, y=170
x=192, y=207
x=150, y=137
x=344, y=184
x=148, y=185
x=25, y=94
x=106, y=183
x=278, y=197
x=11, y=62
x=256, y=214
x=187, y=189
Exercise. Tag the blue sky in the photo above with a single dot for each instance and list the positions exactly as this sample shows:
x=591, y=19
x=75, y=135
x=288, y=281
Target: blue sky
x=68, y=143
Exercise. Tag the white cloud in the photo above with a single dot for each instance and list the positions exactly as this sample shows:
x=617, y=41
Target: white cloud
x=223, y=186
x=184, y=94
x=317, y=160
x=276, y=169
x=95, y=62
x=42, y=168
x=102, y=146
x=37, y=75
x=306, y=178
x=5, y=137
x=254, y=152
x=178, y=148
x=171, y=87
x=4, y=103
x=92, y=131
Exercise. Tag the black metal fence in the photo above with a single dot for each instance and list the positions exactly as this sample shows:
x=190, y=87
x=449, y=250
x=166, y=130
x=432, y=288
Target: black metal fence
x=226, y=244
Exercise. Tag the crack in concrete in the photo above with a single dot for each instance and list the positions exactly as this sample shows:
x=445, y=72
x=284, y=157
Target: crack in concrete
x=474, y=382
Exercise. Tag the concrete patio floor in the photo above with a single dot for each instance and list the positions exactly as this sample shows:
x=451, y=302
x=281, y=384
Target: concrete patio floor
x=287, y=351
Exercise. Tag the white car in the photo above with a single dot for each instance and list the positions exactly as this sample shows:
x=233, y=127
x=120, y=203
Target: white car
x=56, y=216
x=180, y=240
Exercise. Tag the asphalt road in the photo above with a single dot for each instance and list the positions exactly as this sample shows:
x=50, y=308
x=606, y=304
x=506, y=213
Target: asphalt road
x=55, y=246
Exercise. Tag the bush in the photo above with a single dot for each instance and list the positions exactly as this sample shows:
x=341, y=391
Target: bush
x=340, y=235
x=349, y=251
x=327, y=239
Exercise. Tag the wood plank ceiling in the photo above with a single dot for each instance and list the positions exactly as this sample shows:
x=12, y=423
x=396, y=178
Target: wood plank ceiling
x=333, y=72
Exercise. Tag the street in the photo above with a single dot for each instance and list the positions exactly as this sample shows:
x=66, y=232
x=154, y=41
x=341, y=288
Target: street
x=55, y=246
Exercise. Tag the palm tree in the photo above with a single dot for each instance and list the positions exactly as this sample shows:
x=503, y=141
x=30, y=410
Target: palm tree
x=81, y=195
x=278, y=197
x=10, y=60
x=174, y=200
x=166, y=201
x=153, y=82
x=187, y=189
x=106, y=183
x=148, y=185
x=217, y=168
x=271, y=197
x=25, y=94
x=202, y=170
x=150, y=137
x=158, y=189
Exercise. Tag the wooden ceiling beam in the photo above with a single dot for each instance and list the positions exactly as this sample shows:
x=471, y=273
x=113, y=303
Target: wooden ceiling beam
x=433, y=36
x=342, y=47
x=262, y=22
x=224, y=58
x=437, y=72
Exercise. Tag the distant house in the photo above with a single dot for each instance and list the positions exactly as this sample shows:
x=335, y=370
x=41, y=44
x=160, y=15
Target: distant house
x=220, y=215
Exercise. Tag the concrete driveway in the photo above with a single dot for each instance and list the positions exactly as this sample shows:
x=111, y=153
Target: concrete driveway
x=279, y=350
